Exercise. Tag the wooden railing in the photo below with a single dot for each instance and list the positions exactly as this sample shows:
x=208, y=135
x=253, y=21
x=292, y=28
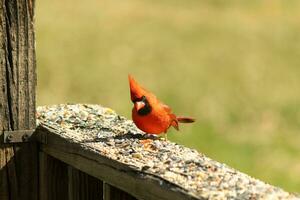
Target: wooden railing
x=90, y=152
x=81, y=152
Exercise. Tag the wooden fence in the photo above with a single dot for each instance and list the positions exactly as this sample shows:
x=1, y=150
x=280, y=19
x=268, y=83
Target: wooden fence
x=90, y=152
x=94, y=152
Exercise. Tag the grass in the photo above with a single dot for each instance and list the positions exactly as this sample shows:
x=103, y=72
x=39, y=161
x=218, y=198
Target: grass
x=233, y=65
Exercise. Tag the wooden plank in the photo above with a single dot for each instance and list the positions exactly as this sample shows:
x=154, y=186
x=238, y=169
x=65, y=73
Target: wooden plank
x=113, y=193
x=17, y=98
x=53, y=178
x=97, y=141
x=43, y=176
x=82, y=186
x=106, y=191
x=73, y=183
x=8, y=175
x=60, y=181
x=136, y=183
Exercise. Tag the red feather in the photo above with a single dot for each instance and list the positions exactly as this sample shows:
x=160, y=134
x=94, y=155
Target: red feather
x=185, y=119
x=155, y=117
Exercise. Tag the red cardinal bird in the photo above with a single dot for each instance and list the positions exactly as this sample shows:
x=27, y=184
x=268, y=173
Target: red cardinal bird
x=149, y=114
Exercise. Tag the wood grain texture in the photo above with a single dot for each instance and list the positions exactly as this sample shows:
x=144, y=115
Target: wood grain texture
x=111, y=192
x=99, y=142
x=60, y=181
x=43, y=176
x=83, y=186
x=116, y=193
x=53, y=178
x=139, y=185
x=106, y=191
x=18, y=163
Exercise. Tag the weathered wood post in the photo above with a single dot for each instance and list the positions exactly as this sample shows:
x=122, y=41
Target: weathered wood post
x=18, y=157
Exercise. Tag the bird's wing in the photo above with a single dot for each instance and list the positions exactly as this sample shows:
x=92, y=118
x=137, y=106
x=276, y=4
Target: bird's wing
x=174, y=122
x=166, y=108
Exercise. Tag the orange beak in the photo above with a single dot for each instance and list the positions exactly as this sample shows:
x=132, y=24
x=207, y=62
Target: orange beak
x=139, y=105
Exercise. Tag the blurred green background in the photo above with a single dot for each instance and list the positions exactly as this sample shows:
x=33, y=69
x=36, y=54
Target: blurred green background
x=233, y=65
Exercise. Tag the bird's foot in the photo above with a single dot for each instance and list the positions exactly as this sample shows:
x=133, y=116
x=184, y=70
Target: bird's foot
x=163, y=137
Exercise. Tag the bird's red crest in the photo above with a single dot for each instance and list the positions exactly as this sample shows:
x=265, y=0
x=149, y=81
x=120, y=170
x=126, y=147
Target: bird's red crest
x=136, y=91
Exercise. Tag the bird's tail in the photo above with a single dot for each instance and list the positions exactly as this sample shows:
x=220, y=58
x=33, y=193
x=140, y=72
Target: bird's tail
x=185, y=119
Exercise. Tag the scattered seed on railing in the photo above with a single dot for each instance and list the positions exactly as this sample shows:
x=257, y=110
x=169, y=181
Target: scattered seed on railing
x=119, y=139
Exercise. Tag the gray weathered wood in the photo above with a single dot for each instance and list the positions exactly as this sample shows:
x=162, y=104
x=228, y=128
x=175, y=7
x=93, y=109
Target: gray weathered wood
x=18, y=162
x=96, y=141
x=134, y=182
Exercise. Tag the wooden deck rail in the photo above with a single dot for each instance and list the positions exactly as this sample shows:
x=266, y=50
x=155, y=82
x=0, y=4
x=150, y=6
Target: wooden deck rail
x=87, y=152
x=90, y=152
